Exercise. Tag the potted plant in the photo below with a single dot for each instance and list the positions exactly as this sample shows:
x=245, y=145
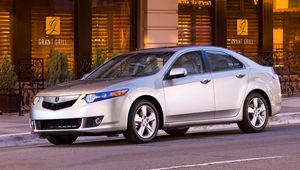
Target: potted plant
x=8, y=79
x=58, y=68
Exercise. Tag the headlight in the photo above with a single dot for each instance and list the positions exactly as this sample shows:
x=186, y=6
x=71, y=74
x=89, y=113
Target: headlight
x=36, y=99
x=90, y=98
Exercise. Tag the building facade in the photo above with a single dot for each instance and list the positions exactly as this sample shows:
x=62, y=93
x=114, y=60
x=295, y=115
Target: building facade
x=85, y=29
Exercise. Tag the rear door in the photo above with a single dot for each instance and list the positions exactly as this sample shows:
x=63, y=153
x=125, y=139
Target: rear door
x=230, y=80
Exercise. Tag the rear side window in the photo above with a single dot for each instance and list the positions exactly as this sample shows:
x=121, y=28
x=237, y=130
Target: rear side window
x=220, y=61
x=237, y=64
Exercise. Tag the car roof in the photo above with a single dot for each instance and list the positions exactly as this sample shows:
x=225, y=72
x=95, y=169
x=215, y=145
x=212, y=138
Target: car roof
x=174, y=48
x=184, y=48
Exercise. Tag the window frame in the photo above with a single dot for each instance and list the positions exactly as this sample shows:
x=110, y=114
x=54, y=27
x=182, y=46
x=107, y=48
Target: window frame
x=231, y=59
x=202, y=59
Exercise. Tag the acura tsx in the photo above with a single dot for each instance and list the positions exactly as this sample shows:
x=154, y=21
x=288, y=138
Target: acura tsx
x=172, y=89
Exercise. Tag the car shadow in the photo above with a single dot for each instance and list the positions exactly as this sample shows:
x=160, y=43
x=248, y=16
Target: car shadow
x=120, y=141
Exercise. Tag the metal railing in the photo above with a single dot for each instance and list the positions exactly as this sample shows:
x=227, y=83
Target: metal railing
x=286, y=63
x=31, y=80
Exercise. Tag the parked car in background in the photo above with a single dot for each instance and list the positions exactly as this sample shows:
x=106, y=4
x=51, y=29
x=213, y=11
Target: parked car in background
x=172, y=88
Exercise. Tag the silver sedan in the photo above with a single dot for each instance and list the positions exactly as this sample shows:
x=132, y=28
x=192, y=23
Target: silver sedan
x=173, y=88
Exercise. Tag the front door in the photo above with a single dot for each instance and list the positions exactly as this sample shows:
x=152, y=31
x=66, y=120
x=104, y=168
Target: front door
x=189, y=98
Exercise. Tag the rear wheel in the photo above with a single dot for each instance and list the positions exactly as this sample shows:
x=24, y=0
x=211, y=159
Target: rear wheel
x=255, y=114
x=60, y=140
x=177, y=132
x=143, y=122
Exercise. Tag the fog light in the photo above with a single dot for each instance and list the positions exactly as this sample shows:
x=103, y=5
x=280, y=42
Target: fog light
x=93, y=121
x=98, y=121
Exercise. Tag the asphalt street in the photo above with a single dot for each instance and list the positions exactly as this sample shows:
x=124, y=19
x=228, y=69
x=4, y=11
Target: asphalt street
x=278, y=147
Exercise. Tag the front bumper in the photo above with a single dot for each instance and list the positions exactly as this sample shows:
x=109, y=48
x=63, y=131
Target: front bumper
x=81, y=117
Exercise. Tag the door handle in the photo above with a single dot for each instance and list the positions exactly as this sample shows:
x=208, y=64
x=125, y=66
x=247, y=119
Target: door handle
x=240, y=75
x=205, y=81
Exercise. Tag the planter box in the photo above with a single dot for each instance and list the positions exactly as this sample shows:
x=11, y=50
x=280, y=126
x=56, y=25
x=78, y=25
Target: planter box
x=9, y=103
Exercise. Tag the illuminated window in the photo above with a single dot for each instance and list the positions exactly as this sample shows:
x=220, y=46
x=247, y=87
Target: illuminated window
x=110, y=27
x=194, y=22
x=52, y=27
x=246, y=40
x=5, y=29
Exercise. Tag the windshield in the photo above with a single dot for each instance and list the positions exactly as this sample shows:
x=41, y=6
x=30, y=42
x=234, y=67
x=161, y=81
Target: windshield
x=132, y=65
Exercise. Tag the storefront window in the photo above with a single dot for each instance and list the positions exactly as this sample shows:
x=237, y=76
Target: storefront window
x=286, y=28
x=286, y=34
x=195, y=22
x=5, y=29
x=52, y=27
x=110, y=27
x=243, y=27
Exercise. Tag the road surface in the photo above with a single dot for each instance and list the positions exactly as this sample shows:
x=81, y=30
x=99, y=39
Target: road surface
x=278, y=147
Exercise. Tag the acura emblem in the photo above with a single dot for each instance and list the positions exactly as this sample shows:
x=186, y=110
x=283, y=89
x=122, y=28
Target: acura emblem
x=56, y=99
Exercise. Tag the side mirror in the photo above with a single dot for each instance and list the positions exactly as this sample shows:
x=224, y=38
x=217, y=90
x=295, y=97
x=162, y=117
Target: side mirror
x=85, y=76
x=177, y=73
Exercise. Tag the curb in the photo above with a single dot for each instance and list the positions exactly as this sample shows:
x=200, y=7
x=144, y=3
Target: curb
x=279, y=119
x=20, y=139
x=26, y=139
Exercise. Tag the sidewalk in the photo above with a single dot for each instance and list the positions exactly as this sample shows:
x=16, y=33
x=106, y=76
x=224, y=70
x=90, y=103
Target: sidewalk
x=13, y=123
x=15, y=130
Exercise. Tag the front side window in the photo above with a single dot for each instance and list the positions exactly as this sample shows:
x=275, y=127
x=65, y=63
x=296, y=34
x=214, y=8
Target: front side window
x=191, y=61
x=220, y=61
x=132, y=65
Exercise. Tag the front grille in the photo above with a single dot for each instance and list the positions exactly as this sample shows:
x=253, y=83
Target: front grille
x=57, y=106
x=58, y=124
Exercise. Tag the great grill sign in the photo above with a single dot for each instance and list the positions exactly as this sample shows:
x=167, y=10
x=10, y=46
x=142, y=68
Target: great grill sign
x=196, y=2
x=241, y=41
x=52, y=41
x=52, y=29
x=52, y=25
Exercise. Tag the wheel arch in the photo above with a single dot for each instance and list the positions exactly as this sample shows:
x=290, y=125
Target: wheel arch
x=265, y=96
x=156, y=104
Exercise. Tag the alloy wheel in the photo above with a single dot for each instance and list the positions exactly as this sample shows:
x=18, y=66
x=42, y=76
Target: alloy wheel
x=145, y=121
x=257, y=112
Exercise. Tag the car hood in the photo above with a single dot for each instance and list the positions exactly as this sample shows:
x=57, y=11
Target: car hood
x=80, y=87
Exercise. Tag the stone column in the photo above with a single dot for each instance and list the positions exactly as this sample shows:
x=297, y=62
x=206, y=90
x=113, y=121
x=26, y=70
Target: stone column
x=22, y=31
x=160, y=21
x=83, y=36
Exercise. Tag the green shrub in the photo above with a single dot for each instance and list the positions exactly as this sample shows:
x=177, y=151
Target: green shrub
x=8, y=76
x=58, y=68
x=101, y=56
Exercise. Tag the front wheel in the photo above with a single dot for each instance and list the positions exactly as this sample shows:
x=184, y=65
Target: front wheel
x=143, y=122
x=60, y=140
x=255, y=114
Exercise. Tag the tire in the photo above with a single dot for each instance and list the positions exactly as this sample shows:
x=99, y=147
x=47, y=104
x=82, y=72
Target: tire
x=255, y=114
x=61, y=140
x=176, y=132
x=143, y=122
